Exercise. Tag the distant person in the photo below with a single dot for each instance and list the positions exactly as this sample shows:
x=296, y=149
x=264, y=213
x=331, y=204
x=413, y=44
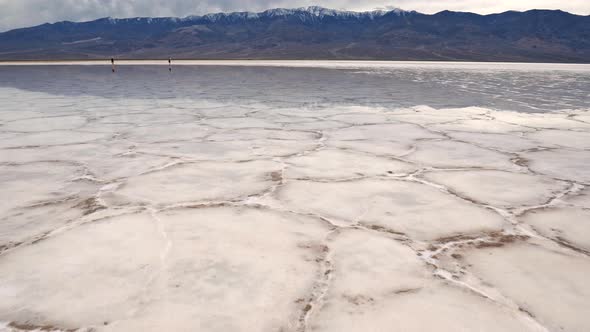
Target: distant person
x=113, y=64
x=169, y=64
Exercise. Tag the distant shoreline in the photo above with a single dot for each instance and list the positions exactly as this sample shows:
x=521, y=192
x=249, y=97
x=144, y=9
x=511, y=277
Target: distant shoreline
x=185, y=61
x=327, y=64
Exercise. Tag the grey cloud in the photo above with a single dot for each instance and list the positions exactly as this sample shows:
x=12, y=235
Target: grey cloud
x=21, y=13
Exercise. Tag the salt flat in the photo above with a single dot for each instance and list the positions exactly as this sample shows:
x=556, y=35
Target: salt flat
x=279, y=197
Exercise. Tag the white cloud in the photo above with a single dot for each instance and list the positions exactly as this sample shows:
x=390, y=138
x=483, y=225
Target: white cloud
x=21, y=13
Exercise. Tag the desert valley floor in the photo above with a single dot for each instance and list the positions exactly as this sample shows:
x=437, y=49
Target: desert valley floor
x=332, y=197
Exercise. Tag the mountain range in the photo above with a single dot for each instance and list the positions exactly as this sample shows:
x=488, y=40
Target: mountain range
x=313, y=33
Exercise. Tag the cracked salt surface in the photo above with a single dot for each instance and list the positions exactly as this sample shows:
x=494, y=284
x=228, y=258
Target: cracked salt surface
x=295, y=199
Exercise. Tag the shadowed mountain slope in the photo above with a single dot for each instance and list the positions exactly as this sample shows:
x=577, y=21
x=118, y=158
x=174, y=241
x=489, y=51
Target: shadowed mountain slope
x=314, y=33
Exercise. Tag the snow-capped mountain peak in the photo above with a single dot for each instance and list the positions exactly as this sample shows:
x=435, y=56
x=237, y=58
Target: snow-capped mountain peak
x=303, y=13
x=320, y=12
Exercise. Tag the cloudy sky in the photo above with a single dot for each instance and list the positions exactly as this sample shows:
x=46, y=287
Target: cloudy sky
x=22, y=13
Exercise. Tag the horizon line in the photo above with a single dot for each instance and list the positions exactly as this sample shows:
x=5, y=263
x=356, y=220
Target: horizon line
x=185, y=61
